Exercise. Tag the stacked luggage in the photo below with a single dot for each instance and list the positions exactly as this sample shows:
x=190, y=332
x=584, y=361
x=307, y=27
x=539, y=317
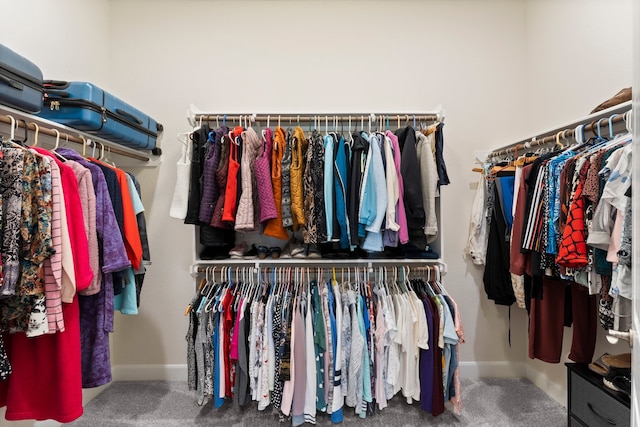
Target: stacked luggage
x=79, y=105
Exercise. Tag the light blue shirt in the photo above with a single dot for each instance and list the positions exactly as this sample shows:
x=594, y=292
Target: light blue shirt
x=555, y=168
x=375, y=194
x=328, y=184
x=126, y=300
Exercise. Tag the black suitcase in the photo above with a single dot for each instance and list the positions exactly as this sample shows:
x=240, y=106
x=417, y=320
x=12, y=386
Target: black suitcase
x=20, y=82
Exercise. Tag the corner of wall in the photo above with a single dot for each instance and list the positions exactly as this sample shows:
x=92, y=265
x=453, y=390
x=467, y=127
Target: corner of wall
x=539, y=373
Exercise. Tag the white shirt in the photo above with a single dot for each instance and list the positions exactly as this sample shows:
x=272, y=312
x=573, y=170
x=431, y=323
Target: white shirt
x=478, y=230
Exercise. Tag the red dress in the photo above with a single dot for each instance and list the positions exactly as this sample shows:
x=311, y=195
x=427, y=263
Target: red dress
x=46, y=382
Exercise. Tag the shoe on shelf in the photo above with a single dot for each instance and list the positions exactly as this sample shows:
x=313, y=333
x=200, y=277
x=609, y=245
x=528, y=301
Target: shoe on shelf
x=251, y=253
x=619, y=379
x=275, y=252
x=297, y=249
x=238, y=251
x=215, y=252
x=599, y=367
x=286, y=252
x=617, y=360
x=313, y=252
x=263, y=252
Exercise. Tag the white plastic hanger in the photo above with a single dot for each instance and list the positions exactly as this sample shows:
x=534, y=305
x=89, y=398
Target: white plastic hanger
x=35, y=134
x=611, y=136
x=57, y=139
x=12, y=131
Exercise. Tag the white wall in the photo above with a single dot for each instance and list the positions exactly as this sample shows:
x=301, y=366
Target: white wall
x=579, y=53
x=67, y=39
x=270, y=56
x=500, y=68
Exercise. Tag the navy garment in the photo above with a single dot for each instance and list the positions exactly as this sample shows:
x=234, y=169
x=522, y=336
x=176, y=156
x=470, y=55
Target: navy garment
x=142, y=223
x=115, y=194
x=443, y=178
x=217, y=241
x=453, y=361
x=496, y=277
x=340, y=177
x=242, y=395
x=427, y=363
x=210, y=190
x=410, y=170
x=142, y=230
x=359, y=151
x=438, y=387
x=199, y=144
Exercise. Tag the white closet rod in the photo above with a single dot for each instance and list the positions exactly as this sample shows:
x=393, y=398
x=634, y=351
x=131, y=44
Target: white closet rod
x=196, y=116
x=201, y=266
x=325, y=267
x=548, y=136
x=44, y=127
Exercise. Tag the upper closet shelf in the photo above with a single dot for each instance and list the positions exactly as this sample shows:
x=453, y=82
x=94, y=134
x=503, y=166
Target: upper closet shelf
x=320, y=262
x=196, y=116
x=601, y=120
x=46, y=133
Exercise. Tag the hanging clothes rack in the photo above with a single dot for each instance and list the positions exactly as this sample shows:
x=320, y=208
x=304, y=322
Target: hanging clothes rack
x=46, y=127
x=591, y=123
x=202, y=266
x=196, y=116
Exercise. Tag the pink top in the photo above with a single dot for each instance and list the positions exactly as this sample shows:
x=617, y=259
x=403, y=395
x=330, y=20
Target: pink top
x=287, y=389
x=88, y=201
x=300, y=383
x=233, y=353
x=75, y=221
x=403, y=232
x=53, y=265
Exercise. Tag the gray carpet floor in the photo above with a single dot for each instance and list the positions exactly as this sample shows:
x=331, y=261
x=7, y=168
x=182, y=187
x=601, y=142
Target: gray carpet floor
x=486, y=402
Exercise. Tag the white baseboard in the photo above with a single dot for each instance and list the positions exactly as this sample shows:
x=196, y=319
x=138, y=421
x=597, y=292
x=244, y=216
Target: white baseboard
x=177, y=372
x=503, y=369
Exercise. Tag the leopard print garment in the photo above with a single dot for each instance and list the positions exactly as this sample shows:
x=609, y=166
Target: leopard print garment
x=315, y=231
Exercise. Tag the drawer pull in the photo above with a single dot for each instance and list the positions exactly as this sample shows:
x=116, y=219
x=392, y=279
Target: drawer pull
x=605, y=419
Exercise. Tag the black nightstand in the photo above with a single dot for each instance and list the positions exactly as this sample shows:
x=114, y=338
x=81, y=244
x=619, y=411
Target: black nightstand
x=591, y=403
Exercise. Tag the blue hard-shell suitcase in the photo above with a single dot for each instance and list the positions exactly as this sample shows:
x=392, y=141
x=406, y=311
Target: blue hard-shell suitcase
x=86, y=107
x=20, y=82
